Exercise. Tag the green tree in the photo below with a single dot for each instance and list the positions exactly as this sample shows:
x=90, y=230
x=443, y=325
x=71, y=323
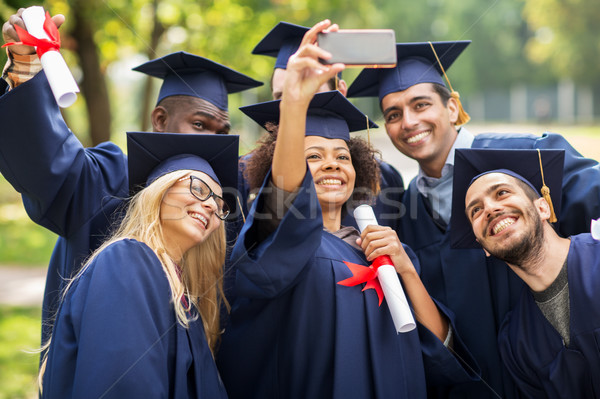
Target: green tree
x=566, y=37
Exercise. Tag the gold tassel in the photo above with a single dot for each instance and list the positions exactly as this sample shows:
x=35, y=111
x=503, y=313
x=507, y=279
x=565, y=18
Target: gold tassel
x=463, y=117
x=546, y=192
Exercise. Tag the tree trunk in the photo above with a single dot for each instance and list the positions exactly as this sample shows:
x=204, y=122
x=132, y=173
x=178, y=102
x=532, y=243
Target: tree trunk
x=93, y=85
x=147, y=101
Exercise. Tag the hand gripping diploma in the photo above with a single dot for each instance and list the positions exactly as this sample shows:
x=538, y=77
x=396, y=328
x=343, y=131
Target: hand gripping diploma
x=42, y=33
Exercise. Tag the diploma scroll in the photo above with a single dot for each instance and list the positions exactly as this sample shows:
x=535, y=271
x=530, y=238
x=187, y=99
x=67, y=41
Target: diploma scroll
x=595, y=229
x=59, y=76
x=388, y=278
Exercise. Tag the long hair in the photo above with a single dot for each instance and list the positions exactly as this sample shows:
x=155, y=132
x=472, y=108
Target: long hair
x=200, y=275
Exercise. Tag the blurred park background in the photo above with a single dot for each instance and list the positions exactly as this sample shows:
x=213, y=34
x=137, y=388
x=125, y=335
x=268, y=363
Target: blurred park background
x=532, y=67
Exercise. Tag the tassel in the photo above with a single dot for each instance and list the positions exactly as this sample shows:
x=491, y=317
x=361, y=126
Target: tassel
x=546, y=192
x=463, y=117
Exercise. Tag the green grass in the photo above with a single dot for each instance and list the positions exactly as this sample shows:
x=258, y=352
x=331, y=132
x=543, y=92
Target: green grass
x=19, y=334
x=22, y=241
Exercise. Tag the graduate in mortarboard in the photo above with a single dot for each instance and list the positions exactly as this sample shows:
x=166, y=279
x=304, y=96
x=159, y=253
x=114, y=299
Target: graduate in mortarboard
x=424, y=120
x=141, y=318
x=281, y=42
x=294, y=332
x=75, y=191
x=508, y=201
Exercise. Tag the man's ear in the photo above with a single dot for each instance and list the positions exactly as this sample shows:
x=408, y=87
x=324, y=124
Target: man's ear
x=452, y=106
x=342, y=87
x=542, y=207
x=159, y=118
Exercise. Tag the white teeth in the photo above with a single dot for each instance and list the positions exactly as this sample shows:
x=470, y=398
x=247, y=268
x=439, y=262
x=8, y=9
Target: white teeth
x=418, y=137
x=199, y=217
x=330, y=182
x=504, y=223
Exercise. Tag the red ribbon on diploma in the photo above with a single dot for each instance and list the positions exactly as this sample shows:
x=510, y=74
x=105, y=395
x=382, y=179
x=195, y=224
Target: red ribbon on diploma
x=42, y=45
x=367, y=274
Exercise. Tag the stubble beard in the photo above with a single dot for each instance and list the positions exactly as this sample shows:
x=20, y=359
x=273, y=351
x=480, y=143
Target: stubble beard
x=528, y=250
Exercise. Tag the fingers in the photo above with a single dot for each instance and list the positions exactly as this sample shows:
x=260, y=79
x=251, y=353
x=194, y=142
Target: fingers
x=310, y=37
x=380, y=240
x=8, y=29
x=58, y=20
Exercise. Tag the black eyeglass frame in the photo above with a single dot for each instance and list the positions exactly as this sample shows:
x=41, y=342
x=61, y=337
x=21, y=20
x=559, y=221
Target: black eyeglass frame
x=223, y=210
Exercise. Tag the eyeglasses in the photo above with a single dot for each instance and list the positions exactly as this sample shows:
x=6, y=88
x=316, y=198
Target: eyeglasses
x=203, y=192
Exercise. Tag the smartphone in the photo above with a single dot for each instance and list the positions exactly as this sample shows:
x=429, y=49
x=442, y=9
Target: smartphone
x=365, y=48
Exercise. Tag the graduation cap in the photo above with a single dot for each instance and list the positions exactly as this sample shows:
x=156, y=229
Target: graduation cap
x=281, y=42
x=152, y=155
x=542, y=170
x=186, y=74
x=329, y=115
x=422, y=62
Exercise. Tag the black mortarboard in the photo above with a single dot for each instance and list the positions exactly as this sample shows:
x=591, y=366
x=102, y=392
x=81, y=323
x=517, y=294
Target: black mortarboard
x=281, y=42
x=151, y=155
x=470, y=164
x=186, y=74
x=329, y=115
x=417, y=63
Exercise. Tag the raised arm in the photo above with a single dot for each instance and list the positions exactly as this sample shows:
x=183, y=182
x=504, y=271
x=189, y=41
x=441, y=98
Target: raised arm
x=305, y=74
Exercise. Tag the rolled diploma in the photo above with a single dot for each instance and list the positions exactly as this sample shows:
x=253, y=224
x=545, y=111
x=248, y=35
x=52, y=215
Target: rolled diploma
x=595, y=229
x=57, y=72
x=388, y=278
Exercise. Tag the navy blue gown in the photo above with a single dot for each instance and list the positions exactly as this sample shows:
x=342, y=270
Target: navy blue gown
x=73, y=191
x=479, y=290
x=295, y=333
x=116, y=335
x=534, y=352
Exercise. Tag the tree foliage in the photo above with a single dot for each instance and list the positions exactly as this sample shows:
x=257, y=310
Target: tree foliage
x=565, y=37
x=514, y=41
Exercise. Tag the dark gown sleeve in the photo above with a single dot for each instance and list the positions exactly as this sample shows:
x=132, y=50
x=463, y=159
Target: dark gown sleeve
x=444, y=366
x=269, y=266
x=63, y=185
x=522, y=377
x=113, y=332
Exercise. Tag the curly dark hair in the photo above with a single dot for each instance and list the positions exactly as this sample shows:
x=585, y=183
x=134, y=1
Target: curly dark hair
x=364, y=160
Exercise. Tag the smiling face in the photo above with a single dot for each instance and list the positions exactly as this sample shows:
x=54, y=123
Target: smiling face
x=186, y=114
x=420, y=125
x=331, y=166
x=186, y=221
x=506, y=221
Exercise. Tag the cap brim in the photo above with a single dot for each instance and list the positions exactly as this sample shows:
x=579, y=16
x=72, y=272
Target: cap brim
x=183, y=63
x=332, y=101
x=367, y=82
x=146, y=150
x=277, y=37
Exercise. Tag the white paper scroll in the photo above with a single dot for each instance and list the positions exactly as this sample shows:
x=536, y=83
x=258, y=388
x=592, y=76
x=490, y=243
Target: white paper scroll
x=595, y=229
x=59, y=76
x=388, y=278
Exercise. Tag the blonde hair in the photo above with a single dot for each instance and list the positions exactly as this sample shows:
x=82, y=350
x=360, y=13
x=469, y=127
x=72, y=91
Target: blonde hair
x=200, y=275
